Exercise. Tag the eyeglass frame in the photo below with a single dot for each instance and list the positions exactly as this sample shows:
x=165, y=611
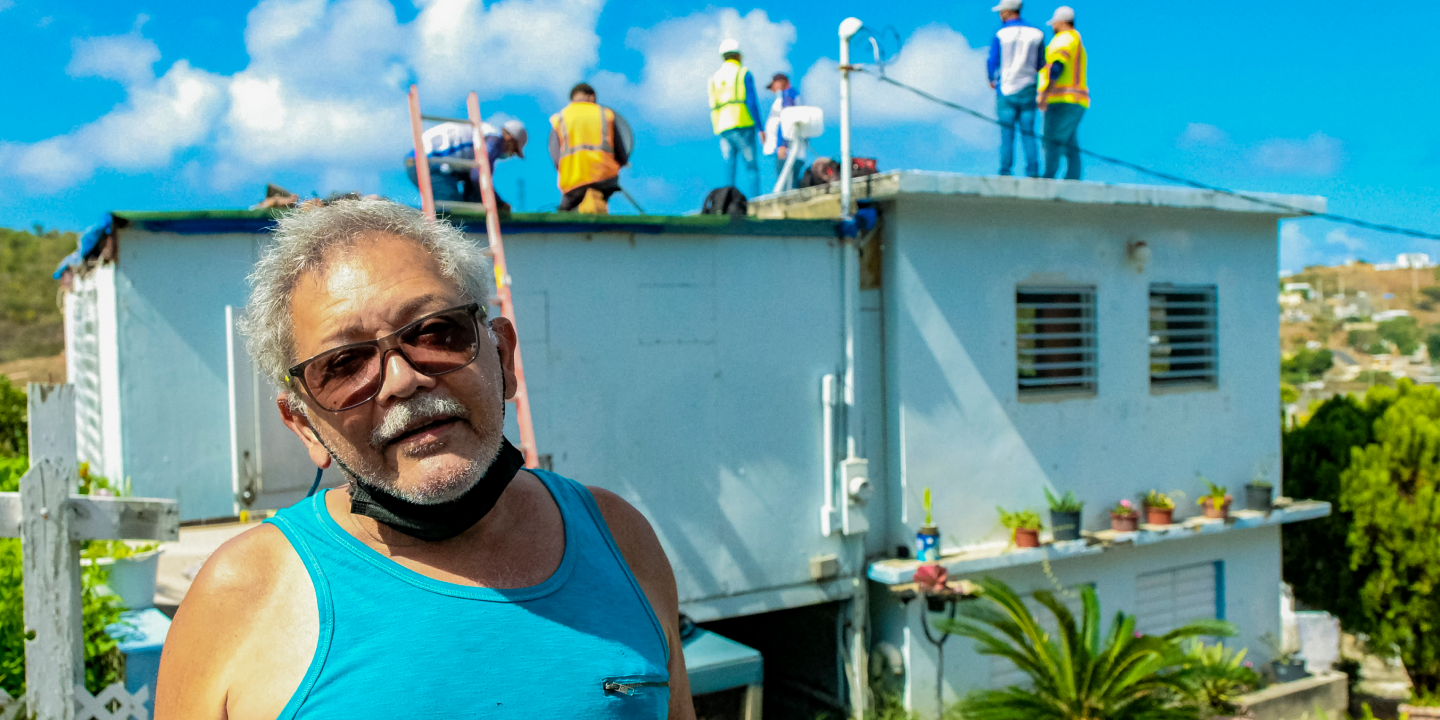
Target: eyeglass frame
x=295, y=375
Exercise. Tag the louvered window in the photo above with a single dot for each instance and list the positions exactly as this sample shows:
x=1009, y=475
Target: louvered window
x=1055, y=339
x=1183, y=335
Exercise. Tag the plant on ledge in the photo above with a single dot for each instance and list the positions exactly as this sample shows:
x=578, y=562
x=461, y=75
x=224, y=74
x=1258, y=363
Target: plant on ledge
x=1078, y=672
x=1064, y=515
x=1024, y=526
x=1159, y=508
x=1216, y=502
x=1124, y=517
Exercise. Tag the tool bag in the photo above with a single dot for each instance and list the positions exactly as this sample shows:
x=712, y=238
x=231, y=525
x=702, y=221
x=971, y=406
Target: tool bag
x=725, y=201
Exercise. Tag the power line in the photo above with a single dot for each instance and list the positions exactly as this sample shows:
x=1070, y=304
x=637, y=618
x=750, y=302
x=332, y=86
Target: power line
x=1356, y=222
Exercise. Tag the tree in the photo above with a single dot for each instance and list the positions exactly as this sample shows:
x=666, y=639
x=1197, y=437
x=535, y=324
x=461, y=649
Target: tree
x=1313, y=456
x=1305, y=365
x=1367, y=341
x=30, y=322
x=1403, y=331
x=1078, y=673
x=1392, y=491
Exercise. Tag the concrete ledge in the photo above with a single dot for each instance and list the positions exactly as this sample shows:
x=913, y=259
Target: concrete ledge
x=1326, y=693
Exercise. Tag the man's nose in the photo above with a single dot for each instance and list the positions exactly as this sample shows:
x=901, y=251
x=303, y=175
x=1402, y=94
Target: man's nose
x=401, y=378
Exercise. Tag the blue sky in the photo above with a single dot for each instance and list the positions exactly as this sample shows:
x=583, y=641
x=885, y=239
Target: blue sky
x=174, y=105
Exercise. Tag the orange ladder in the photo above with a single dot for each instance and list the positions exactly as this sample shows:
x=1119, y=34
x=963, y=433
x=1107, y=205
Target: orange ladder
x=492, y=230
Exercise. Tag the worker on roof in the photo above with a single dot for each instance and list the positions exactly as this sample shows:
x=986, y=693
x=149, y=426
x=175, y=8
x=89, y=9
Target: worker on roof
x=1064, y=94
x=589, y=143
x=775, y=143
x=456, y=141
x=1017, y=52
x=733, y=111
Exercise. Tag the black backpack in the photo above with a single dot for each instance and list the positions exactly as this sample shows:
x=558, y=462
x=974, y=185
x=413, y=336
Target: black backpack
x=725, y=201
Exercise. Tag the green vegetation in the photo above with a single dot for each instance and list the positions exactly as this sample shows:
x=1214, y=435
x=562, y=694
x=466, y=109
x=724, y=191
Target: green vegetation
x=1158, y=500
x=1079, y=672
x=1392, y=491
x=30, y=319
x=1064, y=503
x=1305, y=365
x=1218, y=676
x=1402, y=332
x=1216, y=494
x=1366, y=341
x=1019, y=520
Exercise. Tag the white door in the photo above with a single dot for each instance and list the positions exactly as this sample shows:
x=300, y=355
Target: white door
x=269, y=466
x=1167, y=599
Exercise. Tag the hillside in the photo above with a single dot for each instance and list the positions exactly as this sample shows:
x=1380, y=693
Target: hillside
x=30, y=317
x=1368, y=290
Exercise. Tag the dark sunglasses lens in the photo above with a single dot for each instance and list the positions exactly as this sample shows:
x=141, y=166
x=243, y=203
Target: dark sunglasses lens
x=344, y=377
x=441, y=343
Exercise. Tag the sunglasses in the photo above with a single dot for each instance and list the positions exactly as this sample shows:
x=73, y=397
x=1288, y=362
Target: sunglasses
x=351, y=375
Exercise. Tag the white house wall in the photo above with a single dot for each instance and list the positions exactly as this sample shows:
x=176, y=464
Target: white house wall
x=951, y=271
x=172, y=291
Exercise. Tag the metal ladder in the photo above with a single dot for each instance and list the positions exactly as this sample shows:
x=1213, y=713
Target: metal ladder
x=492, y=230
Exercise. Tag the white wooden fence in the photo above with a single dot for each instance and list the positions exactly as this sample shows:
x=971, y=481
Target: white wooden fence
x=51, y=522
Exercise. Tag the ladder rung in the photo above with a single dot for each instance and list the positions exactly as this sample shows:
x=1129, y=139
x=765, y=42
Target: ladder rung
x=455, y=162
x=439, y=118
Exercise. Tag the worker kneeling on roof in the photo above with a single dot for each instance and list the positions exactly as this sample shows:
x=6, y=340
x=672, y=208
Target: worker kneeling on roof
x=455, y=141
x=444, y=580
x=589, y=144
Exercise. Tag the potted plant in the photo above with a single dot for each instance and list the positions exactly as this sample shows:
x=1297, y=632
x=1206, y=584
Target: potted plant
x=1259, y=494
x=1215, y=503
x=129, y=569
x=1285, y=665
x=1159, y=508
x=1124, y=517
x=927, y=538
x=1064, y=515
x=1024, y=527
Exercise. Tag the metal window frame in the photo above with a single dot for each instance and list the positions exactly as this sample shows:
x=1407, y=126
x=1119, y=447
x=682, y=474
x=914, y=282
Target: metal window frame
x=1033, y=358
x=1198, y=336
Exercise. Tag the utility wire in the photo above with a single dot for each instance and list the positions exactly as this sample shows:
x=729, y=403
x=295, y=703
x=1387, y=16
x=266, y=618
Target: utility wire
x=1379, y=227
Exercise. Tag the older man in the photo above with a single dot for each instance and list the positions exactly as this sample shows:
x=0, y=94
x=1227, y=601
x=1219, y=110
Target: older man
x=445, y=581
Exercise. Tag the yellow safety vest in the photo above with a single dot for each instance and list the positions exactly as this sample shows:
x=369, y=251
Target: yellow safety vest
x=1072, y=85
x=727, y=98
x=587, y=152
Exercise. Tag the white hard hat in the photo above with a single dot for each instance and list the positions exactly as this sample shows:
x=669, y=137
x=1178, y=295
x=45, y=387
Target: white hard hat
x=1004, y=5
x=1064, y=13
x=517, y=131
x=730, y=45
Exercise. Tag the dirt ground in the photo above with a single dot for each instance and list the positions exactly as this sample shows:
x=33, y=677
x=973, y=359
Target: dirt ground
x=44, y=370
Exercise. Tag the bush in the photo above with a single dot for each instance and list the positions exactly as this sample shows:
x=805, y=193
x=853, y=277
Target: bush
x=1078, y=672
x=14, y=428
x=1392, y=492
x=1403, y=332
x=1219, y=675
x=1313, y=456
x=1305, y=365
x=1363, y=340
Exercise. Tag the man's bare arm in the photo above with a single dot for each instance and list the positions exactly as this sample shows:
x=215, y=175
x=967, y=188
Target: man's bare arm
x=646, y=558
x=252, y=601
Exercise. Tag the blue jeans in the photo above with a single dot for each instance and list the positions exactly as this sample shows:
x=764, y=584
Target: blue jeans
x=794, y=172
x=1062, y=139
x=1014, y=111
x=739, y=144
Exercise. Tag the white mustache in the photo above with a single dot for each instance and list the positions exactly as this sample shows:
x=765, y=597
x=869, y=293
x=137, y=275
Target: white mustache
x=413, y=411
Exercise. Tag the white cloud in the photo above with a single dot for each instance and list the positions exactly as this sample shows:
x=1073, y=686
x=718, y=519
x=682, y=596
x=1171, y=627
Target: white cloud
x=680, y=56
x=935, y=59
x=1340, y=237
x=1202, y=135
x=1295, y=247
x=128, y=58
x=1318, y=154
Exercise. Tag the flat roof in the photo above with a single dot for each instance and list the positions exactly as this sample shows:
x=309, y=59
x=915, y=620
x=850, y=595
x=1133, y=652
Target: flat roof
x=897, y=183
x=210, y=222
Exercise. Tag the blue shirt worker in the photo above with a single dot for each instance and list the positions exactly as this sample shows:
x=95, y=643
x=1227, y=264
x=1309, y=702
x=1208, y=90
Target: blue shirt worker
x=733, y=111
x=775, y=143
x=1016, y=55
x=453, y=140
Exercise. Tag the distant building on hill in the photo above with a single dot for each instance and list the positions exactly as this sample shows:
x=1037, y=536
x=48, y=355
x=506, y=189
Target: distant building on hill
x=1408, y=261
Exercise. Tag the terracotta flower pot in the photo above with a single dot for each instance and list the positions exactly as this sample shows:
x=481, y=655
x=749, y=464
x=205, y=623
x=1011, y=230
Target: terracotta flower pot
x=1027, y=537
x=1159, y=516
x=1207, y=506
x=1125, y=523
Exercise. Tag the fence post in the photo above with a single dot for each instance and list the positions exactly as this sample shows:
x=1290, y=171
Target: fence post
x=55, y=648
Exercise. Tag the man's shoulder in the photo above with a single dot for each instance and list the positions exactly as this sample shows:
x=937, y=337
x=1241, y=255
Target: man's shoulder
x=628, y=526
x=247, y=570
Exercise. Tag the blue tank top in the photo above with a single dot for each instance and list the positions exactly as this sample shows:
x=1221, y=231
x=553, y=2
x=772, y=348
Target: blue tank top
x=394, y=643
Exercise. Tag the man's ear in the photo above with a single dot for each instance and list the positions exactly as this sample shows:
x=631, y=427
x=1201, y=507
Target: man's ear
x=506, y=340
x=300, y=425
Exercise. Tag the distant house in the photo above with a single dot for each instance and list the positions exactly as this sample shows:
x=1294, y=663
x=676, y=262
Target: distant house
x=1005, y=336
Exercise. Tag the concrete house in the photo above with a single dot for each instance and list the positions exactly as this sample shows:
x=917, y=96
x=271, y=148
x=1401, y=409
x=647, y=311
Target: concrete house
x=775, y=398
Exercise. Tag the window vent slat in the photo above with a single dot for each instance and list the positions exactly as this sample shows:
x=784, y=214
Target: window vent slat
x=1184, y=335
x=1055, y=339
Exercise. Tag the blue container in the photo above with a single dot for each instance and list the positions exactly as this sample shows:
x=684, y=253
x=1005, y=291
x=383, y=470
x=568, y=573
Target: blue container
x=141, y=635
x=927, y=544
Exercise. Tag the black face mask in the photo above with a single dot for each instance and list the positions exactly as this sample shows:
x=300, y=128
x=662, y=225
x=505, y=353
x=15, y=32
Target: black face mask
x=440, y=521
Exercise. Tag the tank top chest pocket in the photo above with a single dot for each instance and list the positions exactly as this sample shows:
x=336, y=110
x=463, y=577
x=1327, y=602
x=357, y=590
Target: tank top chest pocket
x=637, y=696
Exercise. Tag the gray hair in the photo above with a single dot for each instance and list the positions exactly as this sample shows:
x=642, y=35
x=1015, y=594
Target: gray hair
x=305, y=240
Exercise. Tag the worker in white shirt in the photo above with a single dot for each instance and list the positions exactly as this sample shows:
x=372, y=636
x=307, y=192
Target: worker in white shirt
x=454, y=140
x=775, y=143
